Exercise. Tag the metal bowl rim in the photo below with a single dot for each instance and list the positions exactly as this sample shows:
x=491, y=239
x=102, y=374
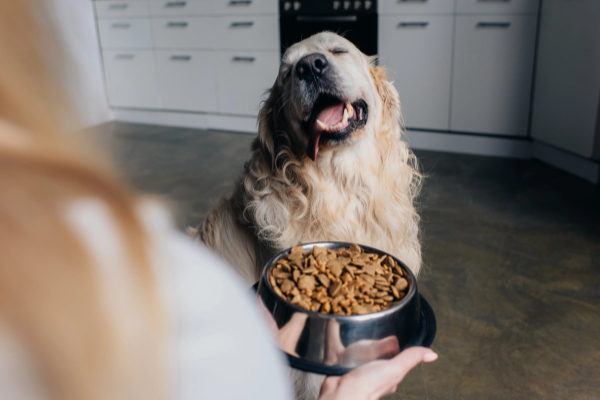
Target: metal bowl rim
x=365, y=317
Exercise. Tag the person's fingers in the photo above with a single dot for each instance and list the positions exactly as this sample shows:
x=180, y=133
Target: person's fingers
x=329, y=386
x=411, y=357
x=396, y=369
x=380, y=377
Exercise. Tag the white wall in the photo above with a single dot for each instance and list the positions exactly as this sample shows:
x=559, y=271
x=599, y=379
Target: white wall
x=83, y=74
x=567, y=82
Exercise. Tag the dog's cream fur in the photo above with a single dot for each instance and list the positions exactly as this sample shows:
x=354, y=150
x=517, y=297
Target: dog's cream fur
x=360, y=192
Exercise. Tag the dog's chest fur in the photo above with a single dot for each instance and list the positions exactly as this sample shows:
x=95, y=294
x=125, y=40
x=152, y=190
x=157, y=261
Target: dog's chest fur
x=348, y=198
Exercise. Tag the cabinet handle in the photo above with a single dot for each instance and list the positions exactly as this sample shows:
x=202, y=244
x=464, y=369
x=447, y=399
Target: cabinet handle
x=245, y=59
x=172, y=4
x=238, y=24
x=412, y=1
x=344, y=18
x=120, y=25
x=405, y=24
x=494, y=1
x=240, y=2
x=124, y=56
x=181, y=58
x=118, y=6
x=493, y=24
x=177, y=24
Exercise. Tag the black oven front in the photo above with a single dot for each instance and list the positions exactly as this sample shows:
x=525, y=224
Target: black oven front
x=356, y=20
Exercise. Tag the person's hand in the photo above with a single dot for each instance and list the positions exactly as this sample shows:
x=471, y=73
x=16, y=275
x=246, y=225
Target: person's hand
x=375, y=379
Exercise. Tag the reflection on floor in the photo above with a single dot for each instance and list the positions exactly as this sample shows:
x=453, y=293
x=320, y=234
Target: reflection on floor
x=511, y=248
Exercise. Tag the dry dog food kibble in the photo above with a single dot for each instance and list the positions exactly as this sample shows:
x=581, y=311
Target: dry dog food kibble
x=346, y=281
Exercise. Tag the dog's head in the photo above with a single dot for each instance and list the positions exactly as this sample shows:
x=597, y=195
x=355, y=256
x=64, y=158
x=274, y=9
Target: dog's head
x=327, y=96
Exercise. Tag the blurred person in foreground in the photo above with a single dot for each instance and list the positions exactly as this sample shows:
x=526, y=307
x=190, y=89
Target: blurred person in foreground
x=100, y=297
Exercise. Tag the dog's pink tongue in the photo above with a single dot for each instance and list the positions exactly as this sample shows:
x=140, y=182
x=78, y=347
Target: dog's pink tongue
x=330, y=116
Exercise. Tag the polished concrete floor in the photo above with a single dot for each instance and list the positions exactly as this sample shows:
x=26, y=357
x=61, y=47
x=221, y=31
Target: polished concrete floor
x=511, y=248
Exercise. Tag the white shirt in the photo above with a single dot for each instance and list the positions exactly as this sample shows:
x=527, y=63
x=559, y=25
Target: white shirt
x=219, y=347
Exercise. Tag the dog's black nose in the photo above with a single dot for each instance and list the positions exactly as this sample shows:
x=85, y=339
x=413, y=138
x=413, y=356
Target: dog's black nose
x=312, y=66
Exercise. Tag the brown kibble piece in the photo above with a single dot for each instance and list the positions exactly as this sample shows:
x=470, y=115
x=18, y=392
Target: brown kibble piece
x=296, y=275
x=324, y=280
x=346, y=281
x=369, y=269
x=334, y=289
x=346, y=278
x=401, y=285
x=336, y=268
x=306, y=282
x=287, y=286
x=399, y=270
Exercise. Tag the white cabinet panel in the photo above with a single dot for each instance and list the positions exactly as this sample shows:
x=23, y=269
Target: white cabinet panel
x=179, y=7
x=497, y=6
x=131, y=78
x=241, y=7
x=125, y=33
x=566, y=104
x=243, y=78
x=493, y=69
x=245, y=32
x=187, y=80
x=418, y=54
x=387, y=7
x=183, y=33
x=120, y=9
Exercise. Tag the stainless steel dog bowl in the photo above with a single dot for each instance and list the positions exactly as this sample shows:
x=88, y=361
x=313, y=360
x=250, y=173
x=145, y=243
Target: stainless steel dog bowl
x=332, y=344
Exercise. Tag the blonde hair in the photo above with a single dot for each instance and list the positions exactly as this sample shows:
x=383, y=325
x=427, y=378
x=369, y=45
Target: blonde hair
x=49, y=294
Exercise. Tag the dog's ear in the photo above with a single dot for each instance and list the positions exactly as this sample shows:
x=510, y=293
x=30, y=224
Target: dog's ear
x=387, y=92
x=271, y=127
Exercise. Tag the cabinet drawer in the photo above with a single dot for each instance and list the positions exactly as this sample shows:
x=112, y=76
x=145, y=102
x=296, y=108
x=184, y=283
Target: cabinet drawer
x=243, y=78
x=416, y=7
x=245, y=32
x=493, y=69
x=183, y=33
x=187, y=80
x=497, y=6
x=242, y=7
x=119, y=9
x=131, y=79
x=417, y=51
x=179, y=7
x=125, y=33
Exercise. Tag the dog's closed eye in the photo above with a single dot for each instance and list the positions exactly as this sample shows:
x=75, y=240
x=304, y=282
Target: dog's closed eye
x=338, y=50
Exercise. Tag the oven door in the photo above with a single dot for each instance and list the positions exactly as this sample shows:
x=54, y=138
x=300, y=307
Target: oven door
x=359, y=29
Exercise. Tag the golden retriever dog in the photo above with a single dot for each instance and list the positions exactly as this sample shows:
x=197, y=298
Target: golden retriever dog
x=329, y=164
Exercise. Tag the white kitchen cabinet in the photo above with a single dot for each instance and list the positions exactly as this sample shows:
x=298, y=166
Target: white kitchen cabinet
x=131, y=78
x=245, y=32
x=183, y=33
x=242, y=79
x=417, y=50
x=122, y=9
x=179, y=7
x=492, y=74
x=497, y=6
x=405, y=7
x=187, y=80
x=240, y=7
x=566, y=103
x=132, y=33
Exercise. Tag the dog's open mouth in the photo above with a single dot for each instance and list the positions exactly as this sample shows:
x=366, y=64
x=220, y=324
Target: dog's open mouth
x=333, y=120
